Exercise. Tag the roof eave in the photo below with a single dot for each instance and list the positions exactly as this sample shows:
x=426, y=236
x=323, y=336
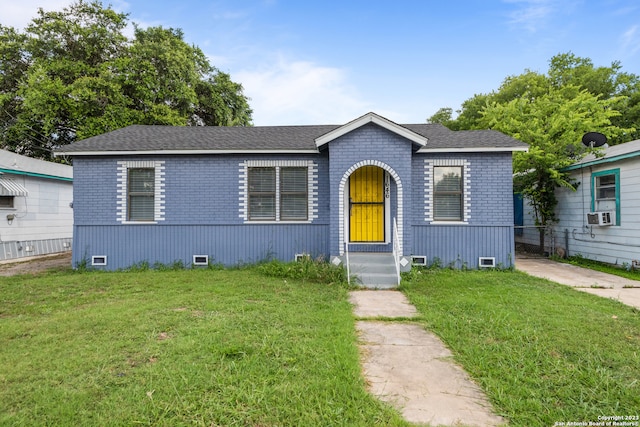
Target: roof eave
x=178, y=152
x=35, y=174
x=472, y=149
x=602, y=160
x=371, y=118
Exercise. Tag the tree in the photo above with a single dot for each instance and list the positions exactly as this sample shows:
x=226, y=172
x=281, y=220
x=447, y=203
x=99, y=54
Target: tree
x=551, y=113
x=565, y=69
x=443, y=116
x=553, y=125
x=74, y=74
x=606, y=82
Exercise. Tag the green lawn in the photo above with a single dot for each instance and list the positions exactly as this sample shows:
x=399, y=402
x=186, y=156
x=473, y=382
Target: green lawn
x=543, y=353
x=209, y=348
x=240, y=348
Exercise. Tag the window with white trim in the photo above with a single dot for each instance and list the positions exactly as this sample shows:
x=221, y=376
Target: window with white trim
x=278, y=193
x=140, y=194
x=447, y=193
x=447, y=190
x=278, y=190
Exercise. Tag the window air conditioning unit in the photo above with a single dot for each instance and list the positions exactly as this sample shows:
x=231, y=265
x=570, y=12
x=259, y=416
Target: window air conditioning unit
x=601, y=218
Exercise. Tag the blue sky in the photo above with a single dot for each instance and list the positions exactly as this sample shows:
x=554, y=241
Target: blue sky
x=328, y=62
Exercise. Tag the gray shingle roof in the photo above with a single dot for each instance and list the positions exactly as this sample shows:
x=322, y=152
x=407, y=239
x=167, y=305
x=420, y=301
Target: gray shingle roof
x=156, y=139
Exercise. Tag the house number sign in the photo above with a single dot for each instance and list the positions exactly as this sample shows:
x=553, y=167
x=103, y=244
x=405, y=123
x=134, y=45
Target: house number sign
x=387, y=186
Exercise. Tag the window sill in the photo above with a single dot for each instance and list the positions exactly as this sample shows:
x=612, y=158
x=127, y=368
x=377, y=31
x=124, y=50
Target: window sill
x=138, y=222
x=435, y=222
x=277, y=222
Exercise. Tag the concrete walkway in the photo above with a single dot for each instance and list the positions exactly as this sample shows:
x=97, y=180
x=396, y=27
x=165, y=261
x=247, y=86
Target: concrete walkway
x=583, y=279
x=411, y=368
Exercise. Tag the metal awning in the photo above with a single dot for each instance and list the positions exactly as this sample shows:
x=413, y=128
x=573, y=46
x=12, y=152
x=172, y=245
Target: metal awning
x=9, y=187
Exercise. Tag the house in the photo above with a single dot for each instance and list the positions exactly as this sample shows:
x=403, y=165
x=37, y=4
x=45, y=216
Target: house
x=601, y=219
x=243, y=194
x=36, y=217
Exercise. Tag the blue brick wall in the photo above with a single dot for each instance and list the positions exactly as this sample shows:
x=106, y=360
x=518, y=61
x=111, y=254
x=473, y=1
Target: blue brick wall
x=489, y=232
x=491, y=189
x=198, y=189
x=202, y=208
x=94, y=191
x=213, y=182
x=370, y=142
x=491, y=186
x=202, y=215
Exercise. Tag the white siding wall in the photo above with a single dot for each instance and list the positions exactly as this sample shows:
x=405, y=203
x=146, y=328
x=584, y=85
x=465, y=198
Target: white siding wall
x=618, y=244
x=42, y=215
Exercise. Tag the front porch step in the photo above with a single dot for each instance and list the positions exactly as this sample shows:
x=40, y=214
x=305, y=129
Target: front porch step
x=374, y=270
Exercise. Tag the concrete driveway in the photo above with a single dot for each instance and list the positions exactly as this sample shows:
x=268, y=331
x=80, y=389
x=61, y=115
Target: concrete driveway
x=594, y=282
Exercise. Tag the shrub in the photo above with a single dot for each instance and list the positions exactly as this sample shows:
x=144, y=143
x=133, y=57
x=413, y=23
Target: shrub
x=306, y=269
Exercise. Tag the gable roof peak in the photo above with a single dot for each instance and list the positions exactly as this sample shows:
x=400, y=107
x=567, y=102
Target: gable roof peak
x=371, y=117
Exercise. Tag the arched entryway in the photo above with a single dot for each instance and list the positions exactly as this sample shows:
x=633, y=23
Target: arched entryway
x=368, y=205
x=365, y=204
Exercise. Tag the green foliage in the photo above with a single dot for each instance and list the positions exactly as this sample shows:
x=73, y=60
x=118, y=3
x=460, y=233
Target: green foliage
x=306, y=270
x=74, y=74
x=565, y=70
x=542, y=352
x=552, y=124
x=443, y=116
x=551, y=113
x=625, y=270
x=177, y=348
x=176, y=265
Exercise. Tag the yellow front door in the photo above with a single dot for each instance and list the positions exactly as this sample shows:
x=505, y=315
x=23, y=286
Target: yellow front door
x=366, y=205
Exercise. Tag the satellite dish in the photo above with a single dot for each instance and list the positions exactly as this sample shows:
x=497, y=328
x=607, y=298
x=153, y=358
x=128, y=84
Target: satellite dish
x=594, y=139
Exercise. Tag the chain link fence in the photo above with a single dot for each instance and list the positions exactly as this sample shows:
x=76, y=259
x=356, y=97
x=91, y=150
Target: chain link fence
x=535, y=241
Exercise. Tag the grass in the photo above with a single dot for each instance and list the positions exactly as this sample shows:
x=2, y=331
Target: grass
x=192, y=347
x=543, y=353
x=271, y=346
x=622, y=271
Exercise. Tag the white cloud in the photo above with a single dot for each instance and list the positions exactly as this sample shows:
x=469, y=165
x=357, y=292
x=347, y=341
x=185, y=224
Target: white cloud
x=630, y=41
x=300, y=92
x=20, y=13
x=530, y=14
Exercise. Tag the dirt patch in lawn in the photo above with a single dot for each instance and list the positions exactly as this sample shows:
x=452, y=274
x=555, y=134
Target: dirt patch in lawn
x=35, y=265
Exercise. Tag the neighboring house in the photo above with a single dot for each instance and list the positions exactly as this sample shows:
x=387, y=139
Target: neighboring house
x=36, y=217
x=601, y=219
x=235, y=195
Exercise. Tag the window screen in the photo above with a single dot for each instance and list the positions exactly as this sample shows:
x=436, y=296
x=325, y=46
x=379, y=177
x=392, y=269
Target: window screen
x=290, y=196
x=447, y=193
x=606, y=187
x=141, y=194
